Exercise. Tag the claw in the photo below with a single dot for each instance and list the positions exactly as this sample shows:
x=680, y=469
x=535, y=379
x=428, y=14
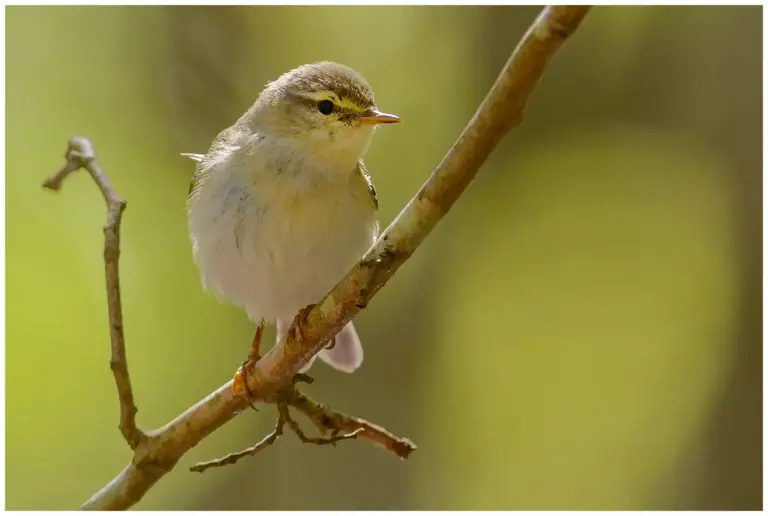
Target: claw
x=240, y=381
x=300, y=320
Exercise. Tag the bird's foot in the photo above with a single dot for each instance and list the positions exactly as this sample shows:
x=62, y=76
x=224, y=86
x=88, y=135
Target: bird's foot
x=299, y=321
x=240, y=381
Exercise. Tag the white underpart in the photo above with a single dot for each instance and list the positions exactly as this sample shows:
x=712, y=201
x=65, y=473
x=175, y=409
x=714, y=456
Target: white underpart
x=273, y=230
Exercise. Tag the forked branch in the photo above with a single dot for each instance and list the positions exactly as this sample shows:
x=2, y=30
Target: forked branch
x=79, y=155
x=324, y=419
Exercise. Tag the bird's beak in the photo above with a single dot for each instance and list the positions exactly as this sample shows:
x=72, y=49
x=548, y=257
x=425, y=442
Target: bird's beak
x=374, y=116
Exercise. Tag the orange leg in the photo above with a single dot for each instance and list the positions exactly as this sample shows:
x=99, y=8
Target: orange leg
x=240, y=382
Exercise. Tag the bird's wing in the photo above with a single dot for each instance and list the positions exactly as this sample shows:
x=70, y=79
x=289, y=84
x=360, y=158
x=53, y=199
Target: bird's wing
x=369, y=182
x=224, y=141
x=200, y=172
x=197, y=179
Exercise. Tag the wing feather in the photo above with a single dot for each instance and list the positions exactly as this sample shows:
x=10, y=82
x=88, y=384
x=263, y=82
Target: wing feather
x=369, y=182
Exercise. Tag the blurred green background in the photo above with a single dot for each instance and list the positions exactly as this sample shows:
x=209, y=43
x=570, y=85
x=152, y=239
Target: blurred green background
x=582, y=331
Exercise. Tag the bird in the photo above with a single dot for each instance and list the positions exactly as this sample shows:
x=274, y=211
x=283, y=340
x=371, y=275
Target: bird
x=282, y=206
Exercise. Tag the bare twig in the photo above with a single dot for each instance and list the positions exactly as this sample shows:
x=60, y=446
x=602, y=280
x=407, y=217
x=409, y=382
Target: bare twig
x=502, y=109
x=327, y=419
x=285, y=414
x=253, y=450
x=284, y=398
x=80, y=154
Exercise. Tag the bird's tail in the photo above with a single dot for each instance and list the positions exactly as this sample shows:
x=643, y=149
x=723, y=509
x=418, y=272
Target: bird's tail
x=345, y=353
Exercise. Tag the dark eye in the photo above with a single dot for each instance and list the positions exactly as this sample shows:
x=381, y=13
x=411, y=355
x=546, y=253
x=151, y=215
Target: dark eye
x=325, y=107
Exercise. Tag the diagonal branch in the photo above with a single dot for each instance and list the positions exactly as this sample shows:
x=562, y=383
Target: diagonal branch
x=158, y=451
x=80, y=154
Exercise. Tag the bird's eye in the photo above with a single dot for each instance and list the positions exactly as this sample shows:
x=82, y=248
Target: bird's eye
x=325, y=107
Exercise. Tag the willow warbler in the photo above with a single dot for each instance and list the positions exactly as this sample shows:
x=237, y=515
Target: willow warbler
x=281, y=206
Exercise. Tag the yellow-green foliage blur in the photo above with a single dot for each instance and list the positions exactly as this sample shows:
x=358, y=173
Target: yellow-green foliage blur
x=582, y=331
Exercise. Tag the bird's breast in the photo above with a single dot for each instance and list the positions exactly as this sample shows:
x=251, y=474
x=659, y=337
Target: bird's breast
x=274, y=246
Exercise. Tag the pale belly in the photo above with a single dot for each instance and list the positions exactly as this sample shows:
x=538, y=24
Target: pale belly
x=274, y=252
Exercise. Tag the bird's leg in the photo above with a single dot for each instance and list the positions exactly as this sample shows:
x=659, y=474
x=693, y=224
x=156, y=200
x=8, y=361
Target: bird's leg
x=240, y=382
x=254, y=355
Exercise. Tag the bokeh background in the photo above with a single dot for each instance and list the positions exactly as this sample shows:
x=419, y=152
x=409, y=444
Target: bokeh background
x=582, y=331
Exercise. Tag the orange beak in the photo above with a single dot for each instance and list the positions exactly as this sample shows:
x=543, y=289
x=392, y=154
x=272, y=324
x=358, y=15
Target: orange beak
x=374, y=116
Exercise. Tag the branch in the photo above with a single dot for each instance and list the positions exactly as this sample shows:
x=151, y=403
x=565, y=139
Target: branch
x=320, y=441
x=80, y=154
x=158, y=451
x=326, y=419
x=253, y=450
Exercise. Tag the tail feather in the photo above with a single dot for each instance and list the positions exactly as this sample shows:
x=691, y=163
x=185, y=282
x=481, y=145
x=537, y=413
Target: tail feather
x=345, y=353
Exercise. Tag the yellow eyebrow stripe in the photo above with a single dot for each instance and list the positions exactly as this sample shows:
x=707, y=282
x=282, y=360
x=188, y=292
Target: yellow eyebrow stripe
x=318, y=96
